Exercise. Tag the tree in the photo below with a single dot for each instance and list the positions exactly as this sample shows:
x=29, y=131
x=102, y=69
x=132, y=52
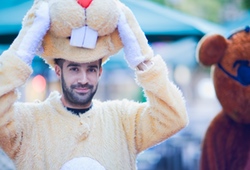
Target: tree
x=246, y=4
x=218, y=11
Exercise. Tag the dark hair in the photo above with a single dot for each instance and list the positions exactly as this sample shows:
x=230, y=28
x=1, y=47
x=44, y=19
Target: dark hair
x=59, y=62
x=100, y=63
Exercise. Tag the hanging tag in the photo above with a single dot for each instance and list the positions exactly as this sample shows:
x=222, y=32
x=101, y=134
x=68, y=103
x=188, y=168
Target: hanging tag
x=84, y=37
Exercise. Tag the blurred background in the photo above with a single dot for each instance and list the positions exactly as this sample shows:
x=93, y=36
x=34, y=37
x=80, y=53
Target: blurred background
x=173, y=28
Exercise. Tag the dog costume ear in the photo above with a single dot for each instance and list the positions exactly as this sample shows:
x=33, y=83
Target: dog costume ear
x=211, y=49
x=137, y=32
x=27, y=23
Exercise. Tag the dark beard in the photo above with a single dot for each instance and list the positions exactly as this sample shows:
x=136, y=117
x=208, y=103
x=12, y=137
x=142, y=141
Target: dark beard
x=77, y=99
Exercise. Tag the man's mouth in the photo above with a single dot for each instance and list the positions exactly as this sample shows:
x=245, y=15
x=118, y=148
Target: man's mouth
x=82, y=90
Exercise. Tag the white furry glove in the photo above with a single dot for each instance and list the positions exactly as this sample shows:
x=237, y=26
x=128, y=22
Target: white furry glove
x=131, y=47
x=34, y=36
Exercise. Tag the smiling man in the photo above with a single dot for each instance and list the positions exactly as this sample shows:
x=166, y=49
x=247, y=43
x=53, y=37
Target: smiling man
x=79, y=83
x=72, y=130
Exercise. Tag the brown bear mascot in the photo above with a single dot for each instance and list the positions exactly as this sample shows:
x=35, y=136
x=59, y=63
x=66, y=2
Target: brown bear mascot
x=226, y=145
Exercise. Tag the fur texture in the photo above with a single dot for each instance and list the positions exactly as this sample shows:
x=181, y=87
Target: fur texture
x=31, y=41
x=66, y=15
x=227, y=142
x=45, y=135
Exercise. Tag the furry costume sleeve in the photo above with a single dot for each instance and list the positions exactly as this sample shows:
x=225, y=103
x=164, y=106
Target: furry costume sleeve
x=13, y=73
x=163, y=114
x=112, y=132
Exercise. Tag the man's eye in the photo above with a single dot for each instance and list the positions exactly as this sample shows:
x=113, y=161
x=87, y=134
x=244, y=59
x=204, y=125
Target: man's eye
x=73, y=69
x=92, y=70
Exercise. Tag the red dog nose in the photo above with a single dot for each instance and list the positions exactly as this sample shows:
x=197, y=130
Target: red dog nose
x=84, y=3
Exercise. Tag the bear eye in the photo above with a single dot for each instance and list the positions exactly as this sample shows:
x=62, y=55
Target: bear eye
x=69, y=37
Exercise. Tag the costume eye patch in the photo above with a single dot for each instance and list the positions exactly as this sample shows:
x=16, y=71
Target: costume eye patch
x=243, y=72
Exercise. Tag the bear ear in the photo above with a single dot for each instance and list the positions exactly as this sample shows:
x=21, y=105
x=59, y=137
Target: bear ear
x=211, y=49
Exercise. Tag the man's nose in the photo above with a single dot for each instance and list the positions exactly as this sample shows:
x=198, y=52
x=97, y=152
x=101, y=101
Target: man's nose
x=83, y=79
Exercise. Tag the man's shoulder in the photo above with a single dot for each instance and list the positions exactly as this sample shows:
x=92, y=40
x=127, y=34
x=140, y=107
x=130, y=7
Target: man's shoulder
x=112, y=102
x=117, y=105
x=52, y=99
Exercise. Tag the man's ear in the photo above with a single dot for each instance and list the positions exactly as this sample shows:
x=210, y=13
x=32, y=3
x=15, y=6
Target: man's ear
x=58, y=71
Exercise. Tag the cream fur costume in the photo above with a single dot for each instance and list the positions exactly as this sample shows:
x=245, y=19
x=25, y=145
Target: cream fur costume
x=44, y=135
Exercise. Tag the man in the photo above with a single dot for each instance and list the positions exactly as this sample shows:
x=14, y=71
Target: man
x=70, y=130
x=79, y=83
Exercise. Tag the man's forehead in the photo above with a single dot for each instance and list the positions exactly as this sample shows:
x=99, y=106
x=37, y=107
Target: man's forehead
x=67, y=62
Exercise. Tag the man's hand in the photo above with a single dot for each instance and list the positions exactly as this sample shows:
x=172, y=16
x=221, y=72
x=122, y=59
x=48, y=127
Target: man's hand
x=144, y=65
x=34, y=36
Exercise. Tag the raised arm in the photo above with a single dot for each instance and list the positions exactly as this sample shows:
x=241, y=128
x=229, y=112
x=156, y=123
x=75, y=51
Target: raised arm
x=14, y=71
x=164, y=113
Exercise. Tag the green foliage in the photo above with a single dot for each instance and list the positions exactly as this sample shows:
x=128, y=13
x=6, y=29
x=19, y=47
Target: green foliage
x=246, y=4
x=212, y=10
x=159, y=1
x=204, y=9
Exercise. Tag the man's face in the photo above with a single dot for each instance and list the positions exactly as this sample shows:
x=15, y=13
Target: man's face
x=79, y=82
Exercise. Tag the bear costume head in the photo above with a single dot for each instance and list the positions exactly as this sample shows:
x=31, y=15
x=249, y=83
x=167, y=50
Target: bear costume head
x=227, y=141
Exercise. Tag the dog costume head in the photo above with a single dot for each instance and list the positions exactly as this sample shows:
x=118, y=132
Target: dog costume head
x=83, y=30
